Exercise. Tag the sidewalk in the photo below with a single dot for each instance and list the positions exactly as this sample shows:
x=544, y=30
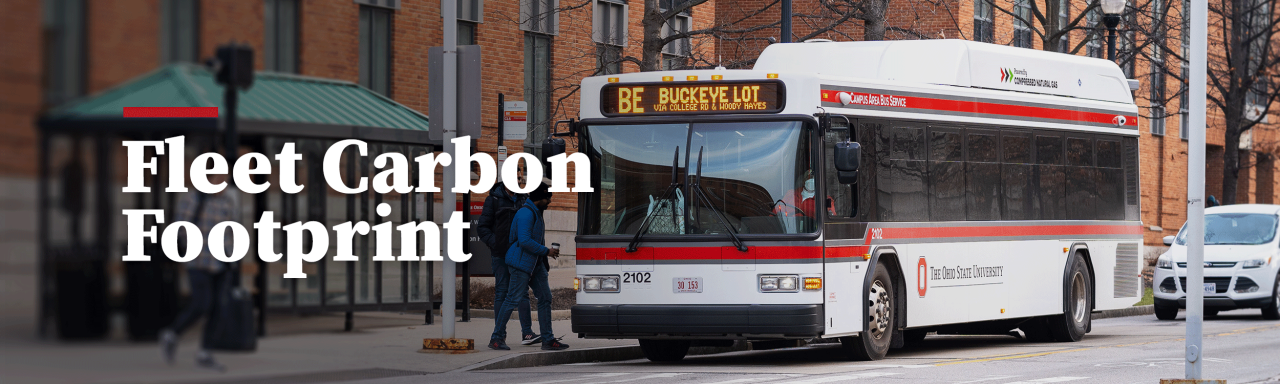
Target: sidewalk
x=385, y=351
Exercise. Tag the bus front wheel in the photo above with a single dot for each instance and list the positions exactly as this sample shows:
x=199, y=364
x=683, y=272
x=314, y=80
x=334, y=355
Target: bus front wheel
x=1078, y=295
x=873, y=343
x=664, y=350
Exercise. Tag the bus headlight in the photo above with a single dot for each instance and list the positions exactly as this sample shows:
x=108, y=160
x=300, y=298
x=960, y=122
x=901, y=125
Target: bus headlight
x=600, y=283
x=1256, y=263
x=779, y=283
x=1164, y=262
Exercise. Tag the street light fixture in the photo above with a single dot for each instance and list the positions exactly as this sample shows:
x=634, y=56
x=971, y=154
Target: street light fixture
x=1111, y=10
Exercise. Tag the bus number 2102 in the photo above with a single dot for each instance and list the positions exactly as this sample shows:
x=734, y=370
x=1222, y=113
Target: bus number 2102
x=635, y=278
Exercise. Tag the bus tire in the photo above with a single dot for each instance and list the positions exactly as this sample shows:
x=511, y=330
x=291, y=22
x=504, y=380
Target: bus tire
x=1166, y=312
x=664, y=350
x=1271, y=311
x=874, y=341
x=1077, y=293
x=1036, y=330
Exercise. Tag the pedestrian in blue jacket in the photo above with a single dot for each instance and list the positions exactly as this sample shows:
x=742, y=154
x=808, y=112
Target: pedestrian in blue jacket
x=527, y=269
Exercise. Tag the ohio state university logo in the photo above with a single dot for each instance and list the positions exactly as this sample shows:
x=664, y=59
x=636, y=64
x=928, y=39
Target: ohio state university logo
x=922, y=276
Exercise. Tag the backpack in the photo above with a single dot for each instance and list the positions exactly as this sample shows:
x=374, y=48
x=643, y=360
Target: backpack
x=502, y=227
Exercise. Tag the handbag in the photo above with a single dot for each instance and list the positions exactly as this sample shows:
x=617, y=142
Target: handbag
x=232, y=326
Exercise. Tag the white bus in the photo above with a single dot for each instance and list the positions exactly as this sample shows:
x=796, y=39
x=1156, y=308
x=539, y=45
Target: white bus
x=867, y=191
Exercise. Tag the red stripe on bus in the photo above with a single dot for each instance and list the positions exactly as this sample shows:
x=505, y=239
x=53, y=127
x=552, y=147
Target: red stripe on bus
x=702, y=253
x=1004, y=231
x=171, y=112
x=910, y=102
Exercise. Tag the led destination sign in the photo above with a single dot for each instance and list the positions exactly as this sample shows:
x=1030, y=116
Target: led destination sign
x=692, y=98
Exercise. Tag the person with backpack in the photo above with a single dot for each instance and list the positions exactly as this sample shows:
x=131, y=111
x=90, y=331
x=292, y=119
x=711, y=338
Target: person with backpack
x=206, y=275
x=499, y=209
x=527, y=266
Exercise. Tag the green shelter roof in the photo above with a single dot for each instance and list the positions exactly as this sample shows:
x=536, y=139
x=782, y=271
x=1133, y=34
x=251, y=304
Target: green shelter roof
x=274, y=98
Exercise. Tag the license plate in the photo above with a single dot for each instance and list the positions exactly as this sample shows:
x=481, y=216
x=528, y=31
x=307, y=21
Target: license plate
x=1210, y=288
x=686, y=285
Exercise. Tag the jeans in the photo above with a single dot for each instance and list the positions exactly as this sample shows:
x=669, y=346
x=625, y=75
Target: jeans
x=204, y=286
x=501, y=283
x=521, y=281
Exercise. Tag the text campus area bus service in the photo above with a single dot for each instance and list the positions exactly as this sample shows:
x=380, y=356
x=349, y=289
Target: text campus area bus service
x=872, y=192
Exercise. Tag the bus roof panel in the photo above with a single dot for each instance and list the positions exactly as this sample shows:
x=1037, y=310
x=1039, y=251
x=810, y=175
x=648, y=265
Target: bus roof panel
x=956, y=63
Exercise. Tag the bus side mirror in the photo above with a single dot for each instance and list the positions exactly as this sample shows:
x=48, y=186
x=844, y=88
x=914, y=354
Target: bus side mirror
x=848, y=159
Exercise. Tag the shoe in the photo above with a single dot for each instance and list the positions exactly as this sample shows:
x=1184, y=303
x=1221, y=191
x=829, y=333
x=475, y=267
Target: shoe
x=554, y=345
x=168, y=345
x=206, y=361
x=530, y=339
x=498, y=345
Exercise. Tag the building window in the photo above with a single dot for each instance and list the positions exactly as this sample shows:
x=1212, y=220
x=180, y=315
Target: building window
x=1064, y=42
x=64, y=50
x=180, y=31
x=983, y=14
x=1022, y=24
x=1184, y=123
x=608, y=59
x=1093, y=48
x=679, y=47
x=541, y=16
x=1157, y=100
x=375, y=49
x=280, y=48
x=610, y=23
x=470, y=14
x=537, y=87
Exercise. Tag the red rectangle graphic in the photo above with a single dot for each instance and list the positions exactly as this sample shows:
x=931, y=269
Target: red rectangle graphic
x=171, y=112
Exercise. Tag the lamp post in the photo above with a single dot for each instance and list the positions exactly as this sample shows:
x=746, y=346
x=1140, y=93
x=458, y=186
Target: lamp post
x=1111, y=10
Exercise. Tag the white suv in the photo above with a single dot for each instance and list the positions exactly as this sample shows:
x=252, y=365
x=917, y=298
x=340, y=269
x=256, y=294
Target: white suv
x=1241, y=263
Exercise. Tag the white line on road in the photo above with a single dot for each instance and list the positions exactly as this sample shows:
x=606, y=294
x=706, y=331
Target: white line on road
x=1059, y=379
x=650, y=377
x=828, y=379
x=735, y=381
x=991, y=378
x=889, y=366
x=591, y=376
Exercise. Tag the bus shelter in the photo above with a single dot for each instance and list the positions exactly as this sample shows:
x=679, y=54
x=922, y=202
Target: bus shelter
x=82, y=231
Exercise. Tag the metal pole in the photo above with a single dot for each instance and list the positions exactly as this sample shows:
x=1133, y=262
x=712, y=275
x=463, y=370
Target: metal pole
x=449, y=9
x=1111, y=21
x=786, y=21
x=1195, y=188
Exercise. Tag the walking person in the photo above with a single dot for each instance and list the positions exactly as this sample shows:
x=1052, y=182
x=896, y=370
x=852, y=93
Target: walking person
x=527, y=267
x=494, y=226
x=205, y=275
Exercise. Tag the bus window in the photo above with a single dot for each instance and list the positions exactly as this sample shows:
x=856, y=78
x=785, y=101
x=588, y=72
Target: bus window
x=946, y=175
x=1015, y=176
x=1080, y=186
x=907, y=187
x=982, y=175
x=1110, y=181
x=1050, y=175
x=634, y=163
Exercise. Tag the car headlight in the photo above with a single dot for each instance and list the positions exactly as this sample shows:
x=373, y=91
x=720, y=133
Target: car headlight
x=779, y=283
x=1255, y=263
x=1164, y=262
x=600, y=283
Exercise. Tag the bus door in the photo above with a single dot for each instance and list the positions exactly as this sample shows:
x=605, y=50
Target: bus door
x=844, y=246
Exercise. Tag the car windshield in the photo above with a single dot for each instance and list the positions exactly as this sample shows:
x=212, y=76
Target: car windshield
x=1235, y=228
x=754, y=174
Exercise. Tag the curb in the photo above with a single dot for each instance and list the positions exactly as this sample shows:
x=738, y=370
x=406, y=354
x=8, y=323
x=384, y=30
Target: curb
x=557, y=314
x=585, y=355
x=1125, y=312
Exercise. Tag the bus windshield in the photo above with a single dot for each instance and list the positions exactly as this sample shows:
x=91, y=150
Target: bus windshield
x=1235, y=229
x=757, y=175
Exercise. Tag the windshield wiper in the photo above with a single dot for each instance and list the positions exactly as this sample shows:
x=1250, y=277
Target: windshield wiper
x=696, y=185
x=666, y=196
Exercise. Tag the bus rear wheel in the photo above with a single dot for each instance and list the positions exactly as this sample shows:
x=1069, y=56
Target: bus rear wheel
x=664, y=350
x=1077, y=289
x=873, y=343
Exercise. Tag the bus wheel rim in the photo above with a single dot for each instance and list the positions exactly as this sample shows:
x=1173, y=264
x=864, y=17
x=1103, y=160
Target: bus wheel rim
x=879, y=308
x=1079, y=298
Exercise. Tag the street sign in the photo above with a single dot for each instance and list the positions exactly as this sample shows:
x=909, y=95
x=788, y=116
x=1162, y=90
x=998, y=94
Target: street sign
x=515, y=122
